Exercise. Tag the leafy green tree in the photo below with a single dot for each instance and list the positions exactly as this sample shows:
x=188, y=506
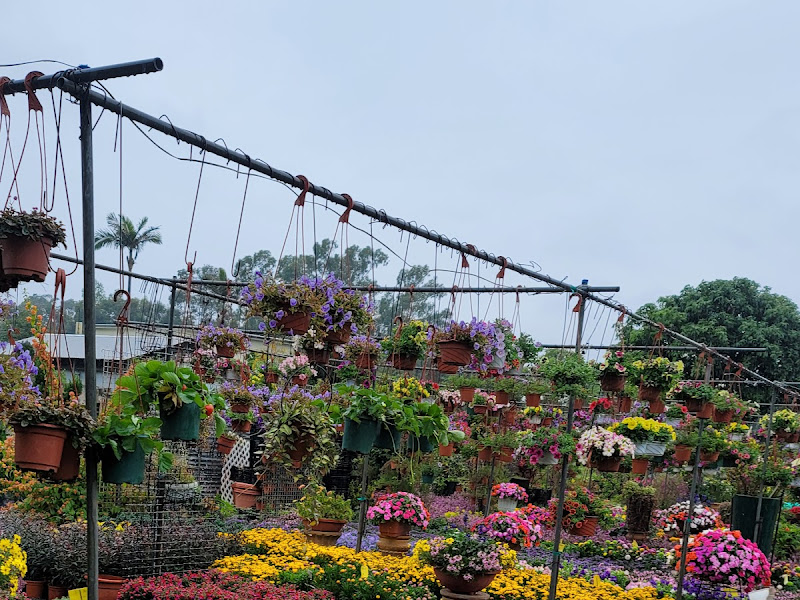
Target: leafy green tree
x=353, y=266
x=389, y=305
x=122, y=233
x=736, y=312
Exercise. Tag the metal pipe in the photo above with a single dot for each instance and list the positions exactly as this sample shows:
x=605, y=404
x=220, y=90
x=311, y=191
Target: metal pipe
x=89, y=339
x=87, y=75
x=767, y=449
x=171, y=325
x=555, y=566
x=664, y=348
x=430, y=289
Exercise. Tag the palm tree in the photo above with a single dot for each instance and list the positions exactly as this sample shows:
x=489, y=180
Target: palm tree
x=122, y=233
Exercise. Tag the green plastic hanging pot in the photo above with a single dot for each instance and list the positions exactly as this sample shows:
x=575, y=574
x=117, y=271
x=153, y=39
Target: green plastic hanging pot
x=183, y=424
x=388, y=438
x=359, y=437
x=743, y=518
x=420, y=444
x=128, y=469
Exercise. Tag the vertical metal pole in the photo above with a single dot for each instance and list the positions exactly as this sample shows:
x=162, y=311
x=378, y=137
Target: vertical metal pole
x=489, y=491
x=362, y=511
x=767, y=450
x=687, y=525
x=89, y=335
x=555, y=566
x=171, y=326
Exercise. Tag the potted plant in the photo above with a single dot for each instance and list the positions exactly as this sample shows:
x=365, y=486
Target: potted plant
x=428, y=425
x=117, y=547
x=508, y=495
x=298, y=431
x=323, y=510
x=226, y=442
x=650, y=437
x=726, y=405
x=503, y=445
x=285, y=307
x=697, y=396
x=582, y=512
x=362, y=351
x=712, y=442
x=656, y=375
x=483, y=402
x=543, y=446
x=67, y=569
x=463, y=563
x=459, y=430
x=671, y=520
x=533, y=390
x=676, y=414
x=341, y=311
x=407, y=345
x=225, y=340
x=603, y=449
x=26, y=239
x=612, y=371
x=38, y=544
x=243, y=422
x=505, y=389
x=568, y=373
x=686, y=438
x=640, y=501
x=14, y=567
x=204, y=363
x=466, y=384
x=513, y=528
x=785, y=423
x=298, y=368
x=474, y=344
x=366, y=412
x=394, y=514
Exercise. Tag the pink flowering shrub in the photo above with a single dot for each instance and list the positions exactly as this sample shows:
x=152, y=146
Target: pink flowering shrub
x=399, y=506
x=511, y=527
x=510, y=490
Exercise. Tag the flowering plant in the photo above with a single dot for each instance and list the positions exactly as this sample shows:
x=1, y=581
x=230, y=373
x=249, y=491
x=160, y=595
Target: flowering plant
x=410, y=340
x=644, y=430
x=483, y=398
x=782, y=420
x=359, y=345
x=485, y=340
x=13, y=564
x=340, y=307
x=601, y=405
x=725, y=557
x=409, y=387
x=17, y=370
x=578, y=504
x=677, y=411
x=511, y=527
x=598, y=442
x=298, y=366
x=399, y=506
x=612, y=363
x=658, y=372
x=504, y=332
x=318, y=503
x=695, y=390
x=237, y=393
x=510, y=490
x=459, y=421
x=726, y=401
x=463, y=554
x=534, y=444
x=568, y=372
x=712, y=440
x=211, y=336
x=272, y=299
x=670, y=520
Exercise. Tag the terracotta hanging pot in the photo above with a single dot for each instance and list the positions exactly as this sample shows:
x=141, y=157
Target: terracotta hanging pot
x=365, y=361
x=296, y=323
x=300, y=380
x=271, y=377
x=480, y=409
x=24, y=259
x=339, y=336
x=611, y=382
x=446, y=450
x=403, y=362
x=485, y=454
x=648, y=393
x=501, y=397
x=226, y=351
x=455, y=353
x=625, y=404
x=683, y=453
x=318, y=356
x=241, y=426
x=240, y=408
x=709, y=457
x=607, y=464
x=639, y=466
x=722, y=416
x=70, y=466
x=577, y=404
x=225, y=444
x=447, y=369
x=587, y=528
x=467, y=394
x=657, y=407
x=533, y=400
x=39, y=447
x=302, y=447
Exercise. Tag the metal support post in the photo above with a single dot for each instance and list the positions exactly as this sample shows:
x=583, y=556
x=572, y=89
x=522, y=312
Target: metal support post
x=172, y=295
x=489, y=491
x=555, y=566
x=362, y=509
x=89, y=337
x=767, y=450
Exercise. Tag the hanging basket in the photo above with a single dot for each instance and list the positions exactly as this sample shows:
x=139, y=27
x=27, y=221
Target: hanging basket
x=648, y=393
x=657, y=407
x=446, y=450
x=639, y=466
x=388, y=438
x=24, y=259
x=683, y=453
x=611, y=382
x=365, y=361
x=403, y=362
x=295, y=323
x=533, y=400
x=70, y=466
x=39, y=447
x=709, y=457
x=128, y=469
x=447, y=369
x=241, y=426
x=318, y=356
x=359, y=437
x=505, y=455
x=226, y=351
x=485, y=454
x=467, y=394
x=455, y=353
x=722, y=416
x=339, y=336
x=300, y=380
x=182, y=424
x=703, y=410
x=547, y=459
x=270, y=377
x=225, y=444
x=607, y=464
x=587, y=527
x=625, y=404
x=577, y=404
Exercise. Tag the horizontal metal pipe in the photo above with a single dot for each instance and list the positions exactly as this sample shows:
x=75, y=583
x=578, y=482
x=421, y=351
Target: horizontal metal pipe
x=431, y=289
x=87, y=75
x=665, y=348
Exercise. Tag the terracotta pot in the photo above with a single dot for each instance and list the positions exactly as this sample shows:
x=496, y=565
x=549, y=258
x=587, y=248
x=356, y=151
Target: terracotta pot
x=36, y=590
x=241, y=426
x=611, y=382
x=501, y=397
x=302, y=447
x=394, y=529
x=225, y=445
x=649, y=394
x=509, y=416
x=70, y=465
x=240, y=408
x=270, y=377
x=318, y=356
x=296, y=323
x=577, y=404
x=625, y=404
x=56, y=591
x=703, y=410
x=300, y=380
x=657, y=407
x=505, y=455
x=485, y=454
x=365, y=361
x=606, y=464
x=226, y=351
x=447, y=369
x=709, y=457
x=533, y=400
x=108, y=586
x=244, y=494
x=446, y=450
x=455, y=353
x=639, y=466
x=587, y=529
x=467, y=394
x=25, y=259
x=334, y=525
x=547, y=421
x=794, y=438
x=403, y=362
x=480, y=409
x=340, y=336
x=683, y=453
x=39, y=447
x=722, y=416
x=783, y=436
x=394, y=546
x=459, y=585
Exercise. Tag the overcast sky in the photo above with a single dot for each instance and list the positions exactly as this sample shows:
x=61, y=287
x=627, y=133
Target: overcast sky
x=640, y=144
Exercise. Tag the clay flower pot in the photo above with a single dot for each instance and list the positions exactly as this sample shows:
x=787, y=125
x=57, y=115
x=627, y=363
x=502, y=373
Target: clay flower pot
x=39, y=447
x=587, y=528
x=455, y=353
x=533, y=400
x=226, y=351
x=607, y=464
x=683, y=453
x=446, y=450
x=648, y=393
x=244, y=494
x=611, y=382
x=639, y=466
x=225, y=444
x=458, y=585
x=467, y=394
x=394, y=529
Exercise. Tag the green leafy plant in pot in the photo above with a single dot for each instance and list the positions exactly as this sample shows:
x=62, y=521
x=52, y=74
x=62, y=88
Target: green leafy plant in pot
x=323, y=510
x=366, y=413
x=26, y=239
x=568, y=373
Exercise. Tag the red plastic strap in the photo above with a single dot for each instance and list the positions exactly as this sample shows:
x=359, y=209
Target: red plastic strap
x=502, y=272
x=3, y=104
x=621, y=317
x=301, y=199
x=345, y=218
x=464, y=262
x=33, y=101
x=739, y=370
x=660, y=333
x=453, y=294
x=578, y=305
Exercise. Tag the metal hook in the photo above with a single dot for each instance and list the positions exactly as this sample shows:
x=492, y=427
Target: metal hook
x=122, y=317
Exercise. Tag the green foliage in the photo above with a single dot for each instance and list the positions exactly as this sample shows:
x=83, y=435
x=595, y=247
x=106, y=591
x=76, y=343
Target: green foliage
x=411, y=340
x=73, y=417
x=568, y=372
x=318, y=503
x=33, y=225
x=787, y=541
